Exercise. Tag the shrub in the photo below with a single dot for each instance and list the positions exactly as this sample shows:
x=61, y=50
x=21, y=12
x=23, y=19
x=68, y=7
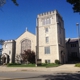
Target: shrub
x=57, y=61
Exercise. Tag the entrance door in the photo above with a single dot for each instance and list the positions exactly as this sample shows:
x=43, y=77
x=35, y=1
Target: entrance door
x=3, y=59
x=62, y=57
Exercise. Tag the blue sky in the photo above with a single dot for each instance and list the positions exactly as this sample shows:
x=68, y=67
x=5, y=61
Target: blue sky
x=14, y=20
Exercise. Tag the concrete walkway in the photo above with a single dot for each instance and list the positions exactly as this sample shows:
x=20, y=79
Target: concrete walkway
x=62, y=68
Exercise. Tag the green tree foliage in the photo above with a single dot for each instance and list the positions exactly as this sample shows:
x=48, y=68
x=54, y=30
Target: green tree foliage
x=28, y=56
x=75, y=4
x=15, y=2
x=2, y=2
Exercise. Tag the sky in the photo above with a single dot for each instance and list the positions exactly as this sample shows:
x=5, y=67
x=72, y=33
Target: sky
x=15, y=19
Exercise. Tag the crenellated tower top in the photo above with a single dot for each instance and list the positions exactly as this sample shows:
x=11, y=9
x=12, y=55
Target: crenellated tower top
x=48, y=13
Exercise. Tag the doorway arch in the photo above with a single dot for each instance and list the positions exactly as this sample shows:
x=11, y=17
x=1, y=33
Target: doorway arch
x=5, y=58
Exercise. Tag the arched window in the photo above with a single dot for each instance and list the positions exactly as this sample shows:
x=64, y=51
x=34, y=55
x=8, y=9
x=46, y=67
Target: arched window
x=25, y=45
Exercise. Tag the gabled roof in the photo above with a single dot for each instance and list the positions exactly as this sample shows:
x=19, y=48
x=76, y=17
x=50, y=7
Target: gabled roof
x=24, y=33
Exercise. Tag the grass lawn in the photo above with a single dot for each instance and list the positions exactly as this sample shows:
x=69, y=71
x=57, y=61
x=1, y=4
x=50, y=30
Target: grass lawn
x=33, y=65
x=50, y=65
x=21, y=65
x=77, y=65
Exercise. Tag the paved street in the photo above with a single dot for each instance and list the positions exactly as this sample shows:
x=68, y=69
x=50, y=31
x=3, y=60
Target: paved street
x=23, y=75
x=64, y=72
x=38, y=76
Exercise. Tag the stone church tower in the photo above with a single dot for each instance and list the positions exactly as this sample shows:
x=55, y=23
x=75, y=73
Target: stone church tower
x=50, y=37
x=48, y=43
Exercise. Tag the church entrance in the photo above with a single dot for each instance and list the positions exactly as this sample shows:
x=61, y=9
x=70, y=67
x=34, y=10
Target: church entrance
x=73, y=57
x=5, y=58
x=62, y=57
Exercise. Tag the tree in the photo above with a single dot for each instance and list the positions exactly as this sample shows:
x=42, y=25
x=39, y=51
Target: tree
x=18, y=58
x=15, y=2
x=1, y=42
x=2, y=2
x=76, y=5
x=28, y=56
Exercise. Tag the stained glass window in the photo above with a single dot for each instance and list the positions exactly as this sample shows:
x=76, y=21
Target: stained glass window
x=25, y=45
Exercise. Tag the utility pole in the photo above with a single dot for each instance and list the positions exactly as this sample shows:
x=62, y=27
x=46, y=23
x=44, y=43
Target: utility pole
x=77, y=24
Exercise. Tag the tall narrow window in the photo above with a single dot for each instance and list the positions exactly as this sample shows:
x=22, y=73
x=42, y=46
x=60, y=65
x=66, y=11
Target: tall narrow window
x=47, y=50
x=60, y=40
x=9, y=52
x=5, y=45
x=59, y=23
x=73, y=45
x=43, y=22
x=48, y=21
x=47, y=39
x=60, y=30
x=46, y=30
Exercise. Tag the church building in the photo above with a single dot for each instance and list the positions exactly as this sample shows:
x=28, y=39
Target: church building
x=48, y=43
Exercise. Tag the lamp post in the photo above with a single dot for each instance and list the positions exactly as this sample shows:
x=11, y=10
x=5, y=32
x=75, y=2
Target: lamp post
x=77, y=24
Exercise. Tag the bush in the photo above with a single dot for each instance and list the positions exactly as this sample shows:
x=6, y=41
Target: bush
x=57, y=61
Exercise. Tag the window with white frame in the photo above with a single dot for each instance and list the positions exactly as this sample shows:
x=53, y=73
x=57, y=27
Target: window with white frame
x=46, y=30
x=47, y=50
x=43, y=22
x=46, y=21
x=47, y=39
x=47, y=61
x=73, y=45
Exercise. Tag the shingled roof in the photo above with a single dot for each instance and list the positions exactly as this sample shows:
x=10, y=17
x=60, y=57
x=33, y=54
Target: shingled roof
x=71, y=40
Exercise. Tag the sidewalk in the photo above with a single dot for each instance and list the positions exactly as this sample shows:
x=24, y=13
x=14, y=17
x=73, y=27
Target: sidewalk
x=63, y=68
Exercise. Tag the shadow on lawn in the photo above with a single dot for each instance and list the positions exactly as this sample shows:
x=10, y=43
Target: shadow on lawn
x=56, y=76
